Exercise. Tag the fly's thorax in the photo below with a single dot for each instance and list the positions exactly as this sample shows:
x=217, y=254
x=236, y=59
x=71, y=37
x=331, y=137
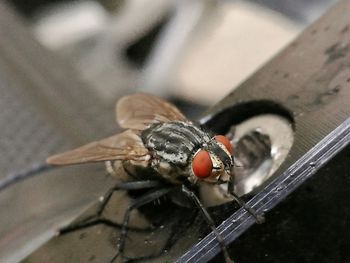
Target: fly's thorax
x=170, y=172
x=172, y=146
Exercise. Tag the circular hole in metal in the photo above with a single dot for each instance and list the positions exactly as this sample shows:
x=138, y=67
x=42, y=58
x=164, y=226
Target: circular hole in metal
x=261, y=144
x=262, y=133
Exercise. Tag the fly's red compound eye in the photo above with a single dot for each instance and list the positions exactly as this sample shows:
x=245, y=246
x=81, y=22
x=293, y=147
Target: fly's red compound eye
x=202, y=164
x=222, y=139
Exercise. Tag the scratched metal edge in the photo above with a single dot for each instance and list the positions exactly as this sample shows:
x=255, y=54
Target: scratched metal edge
x=273, y=194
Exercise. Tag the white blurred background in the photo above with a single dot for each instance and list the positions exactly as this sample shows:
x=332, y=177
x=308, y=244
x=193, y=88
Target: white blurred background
x=195, y=50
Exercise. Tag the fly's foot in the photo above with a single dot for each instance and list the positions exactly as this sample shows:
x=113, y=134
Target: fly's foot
x=83, y=223
x=260, y=218
x=120, y=251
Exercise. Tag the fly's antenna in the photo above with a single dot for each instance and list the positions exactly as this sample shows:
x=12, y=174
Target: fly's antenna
x=34, y=170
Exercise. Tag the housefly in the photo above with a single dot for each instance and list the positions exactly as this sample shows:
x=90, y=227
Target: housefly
x=160, y=149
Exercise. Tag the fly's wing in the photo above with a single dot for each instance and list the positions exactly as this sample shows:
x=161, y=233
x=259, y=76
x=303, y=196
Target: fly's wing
x=123, y=146
x=139, y=110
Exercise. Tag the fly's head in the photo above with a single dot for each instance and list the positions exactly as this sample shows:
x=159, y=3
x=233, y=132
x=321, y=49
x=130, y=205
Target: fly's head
x=213, y=162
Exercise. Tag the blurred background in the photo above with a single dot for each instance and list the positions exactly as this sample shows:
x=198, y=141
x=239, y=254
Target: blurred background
x=63, y=65
x=196, y=50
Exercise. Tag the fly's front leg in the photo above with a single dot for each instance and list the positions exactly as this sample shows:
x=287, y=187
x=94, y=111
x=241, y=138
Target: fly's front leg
x=143, y=200
x=87, y=224
x=96, y=219
x=136, y=185
x=259, y=218
x=210, y=222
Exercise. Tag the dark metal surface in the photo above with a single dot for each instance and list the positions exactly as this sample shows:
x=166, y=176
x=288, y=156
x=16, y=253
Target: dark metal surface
x=310, y=225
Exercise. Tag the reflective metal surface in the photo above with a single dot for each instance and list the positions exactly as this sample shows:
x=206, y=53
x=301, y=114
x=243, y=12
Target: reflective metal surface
x=262, y=144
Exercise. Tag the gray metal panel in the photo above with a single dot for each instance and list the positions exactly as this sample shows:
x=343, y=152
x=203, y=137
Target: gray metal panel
x=44, y=108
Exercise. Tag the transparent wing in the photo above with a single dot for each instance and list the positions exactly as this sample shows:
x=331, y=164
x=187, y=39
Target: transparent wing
x=123, y=146
x=139, y=110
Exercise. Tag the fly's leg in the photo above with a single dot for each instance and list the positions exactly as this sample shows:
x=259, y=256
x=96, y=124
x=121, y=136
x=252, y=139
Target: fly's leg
x=96, y=219
x=91, y=223
x=210, y=222
x=259, y=218
x=143, y=200
x=136, y=185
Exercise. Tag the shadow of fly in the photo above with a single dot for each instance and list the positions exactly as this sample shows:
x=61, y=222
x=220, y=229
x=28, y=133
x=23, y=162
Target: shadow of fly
x=165, y=153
